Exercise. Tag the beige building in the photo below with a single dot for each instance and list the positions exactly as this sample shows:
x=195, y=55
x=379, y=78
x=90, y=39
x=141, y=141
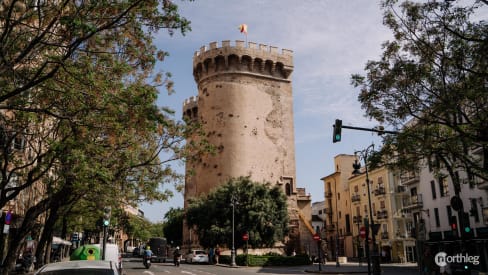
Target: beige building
x=245, y=106
x=347, y=207
x=338, y=209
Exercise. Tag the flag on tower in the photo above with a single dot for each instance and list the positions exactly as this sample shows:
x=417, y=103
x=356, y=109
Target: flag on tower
x=243, y=28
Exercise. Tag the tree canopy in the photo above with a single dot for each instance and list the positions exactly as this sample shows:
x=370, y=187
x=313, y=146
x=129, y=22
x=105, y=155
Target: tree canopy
x=431, y=84
x=173, y=225
x=259, y=209
x=78, y=112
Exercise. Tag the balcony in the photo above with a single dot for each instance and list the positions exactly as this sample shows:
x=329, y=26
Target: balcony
x=357, y=219
x=383, y=214
x=355, y=198
x=413, y=202
x=409, y=178
x=328, y=194
x=384, y=235
x=379, y=191
x=401, y=189
x=330, y=227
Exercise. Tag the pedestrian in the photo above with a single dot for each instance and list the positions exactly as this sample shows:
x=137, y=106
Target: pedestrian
x=217, y=254
x=210, y=255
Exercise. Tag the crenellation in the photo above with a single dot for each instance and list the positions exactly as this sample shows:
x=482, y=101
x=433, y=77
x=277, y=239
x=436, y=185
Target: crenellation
x=225, y=43
x=246, y=58
x=240, y=44
x=190, y=103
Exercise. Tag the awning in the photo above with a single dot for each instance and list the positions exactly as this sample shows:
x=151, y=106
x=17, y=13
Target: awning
x=57, y=240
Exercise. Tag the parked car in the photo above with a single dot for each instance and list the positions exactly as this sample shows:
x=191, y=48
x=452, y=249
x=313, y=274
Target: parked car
x=196, y=256
x=79, y=267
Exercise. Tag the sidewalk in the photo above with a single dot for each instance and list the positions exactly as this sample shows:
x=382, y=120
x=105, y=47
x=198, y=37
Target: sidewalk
x=355, y=268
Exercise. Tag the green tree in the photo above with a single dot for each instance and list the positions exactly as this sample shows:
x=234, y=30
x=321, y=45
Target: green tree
x=77, y=85
x=430, y=83
x=173, y=225
x=260, y=210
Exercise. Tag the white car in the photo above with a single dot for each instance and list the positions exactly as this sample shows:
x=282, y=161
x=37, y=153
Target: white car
x=79, y=267
x=196, y=256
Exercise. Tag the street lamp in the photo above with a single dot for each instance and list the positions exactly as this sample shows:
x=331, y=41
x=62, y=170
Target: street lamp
x=233, y=202
x=337, y=226
x=357, y=220
x=374, y=256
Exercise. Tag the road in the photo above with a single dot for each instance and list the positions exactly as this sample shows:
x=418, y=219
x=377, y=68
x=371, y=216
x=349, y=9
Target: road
x=133, y=266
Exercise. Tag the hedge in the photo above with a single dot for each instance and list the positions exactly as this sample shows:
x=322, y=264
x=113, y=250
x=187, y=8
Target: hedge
x=267, y=260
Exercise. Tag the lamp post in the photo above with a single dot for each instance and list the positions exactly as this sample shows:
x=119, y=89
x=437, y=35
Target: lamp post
x=357, y=220
x=233, y=202
x=374, y=256
x=337, y=227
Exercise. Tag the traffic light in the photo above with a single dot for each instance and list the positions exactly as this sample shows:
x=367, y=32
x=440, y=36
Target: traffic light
x=467, y=230
x=337, y=131
x=107, y=212
x=453, y=222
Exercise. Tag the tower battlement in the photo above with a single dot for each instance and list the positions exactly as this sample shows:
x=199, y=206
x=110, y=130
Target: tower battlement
x=253, y=58
x=190, y=107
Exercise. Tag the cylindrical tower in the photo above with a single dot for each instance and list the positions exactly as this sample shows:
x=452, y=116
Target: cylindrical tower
x=245, y=105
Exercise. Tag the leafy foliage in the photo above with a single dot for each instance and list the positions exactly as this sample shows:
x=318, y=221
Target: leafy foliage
x=78, y=86
x=173, y=225
x=430, y=82
x=259, y=209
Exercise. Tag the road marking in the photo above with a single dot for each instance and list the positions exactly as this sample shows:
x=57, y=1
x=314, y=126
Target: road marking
x=187, y=272
x=148, y=272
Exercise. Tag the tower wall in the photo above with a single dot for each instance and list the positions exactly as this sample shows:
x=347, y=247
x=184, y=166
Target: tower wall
x=246, y=107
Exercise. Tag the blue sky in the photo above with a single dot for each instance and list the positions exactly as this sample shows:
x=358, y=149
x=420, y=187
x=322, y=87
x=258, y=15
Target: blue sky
x=330, y=40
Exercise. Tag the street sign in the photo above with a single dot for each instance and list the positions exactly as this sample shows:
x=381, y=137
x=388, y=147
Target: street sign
x=316, y=237
x=8, y=217
x=245, y=237
x=456, y=203
x=362, y=232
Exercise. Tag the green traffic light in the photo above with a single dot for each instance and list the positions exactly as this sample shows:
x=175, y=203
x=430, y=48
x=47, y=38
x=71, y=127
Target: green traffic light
x=338, y=137
x=106, y=222
x=467, y=229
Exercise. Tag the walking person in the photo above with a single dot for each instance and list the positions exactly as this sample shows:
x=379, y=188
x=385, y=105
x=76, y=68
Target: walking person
x=210, y=255
x=217, y=254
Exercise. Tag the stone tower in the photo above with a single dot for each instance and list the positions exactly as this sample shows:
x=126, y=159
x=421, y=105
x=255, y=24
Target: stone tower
x=245, y=105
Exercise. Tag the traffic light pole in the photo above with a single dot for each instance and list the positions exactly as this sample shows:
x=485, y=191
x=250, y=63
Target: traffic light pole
x=377, y=130
x=104, y=245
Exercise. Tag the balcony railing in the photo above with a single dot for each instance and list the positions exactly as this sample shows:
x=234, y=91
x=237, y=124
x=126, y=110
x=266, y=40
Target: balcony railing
x=379, y=191
x=357, y=219
x=383, y=214
x=401, y=188
x=330, y=227
x=409, y=178
x=413, y=202
x=355, y=198
x=328, y=194
x=384, y=235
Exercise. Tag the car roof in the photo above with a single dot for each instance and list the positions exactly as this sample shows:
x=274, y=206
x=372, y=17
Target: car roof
x=96, y=264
